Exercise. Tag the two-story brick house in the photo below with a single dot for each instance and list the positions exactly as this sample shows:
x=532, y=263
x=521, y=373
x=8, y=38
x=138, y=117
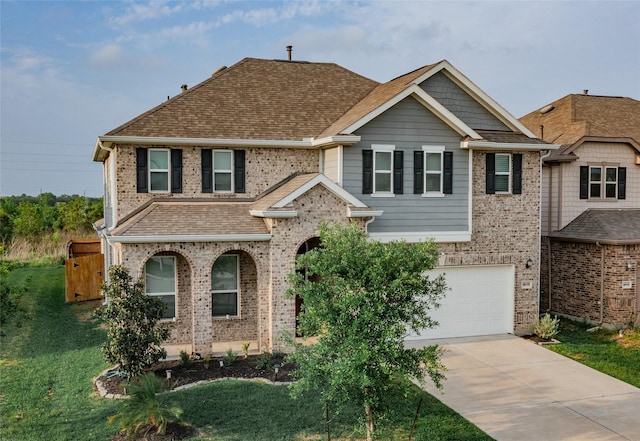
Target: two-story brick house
x=211, y=195
x=590, y=207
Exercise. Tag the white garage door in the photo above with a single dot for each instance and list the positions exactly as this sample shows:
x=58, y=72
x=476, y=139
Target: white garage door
x=480, y=302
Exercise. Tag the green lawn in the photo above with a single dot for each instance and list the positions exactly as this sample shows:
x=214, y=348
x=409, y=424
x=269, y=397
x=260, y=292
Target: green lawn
x=604, y=350
x=48, y=363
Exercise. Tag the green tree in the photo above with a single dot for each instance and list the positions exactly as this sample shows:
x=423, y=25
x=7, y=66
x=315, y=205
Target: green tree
x=360, y=298
x=133, y=334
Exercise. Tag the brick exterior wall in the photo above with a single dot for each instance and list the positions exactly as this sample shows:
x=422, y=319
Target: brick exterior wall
x=587, y=282
x=273, y=164
x=505, y=230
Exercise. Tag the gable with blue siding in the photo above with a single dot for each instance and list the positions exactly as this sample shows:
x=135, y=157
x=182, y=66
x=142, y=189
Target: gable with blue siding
x=409, y=126
x=461, y=104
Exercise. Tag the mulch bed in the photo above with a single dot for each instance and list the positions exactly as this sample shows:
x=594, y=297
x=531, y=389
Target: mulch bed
x=196, y=371
x=537, y=339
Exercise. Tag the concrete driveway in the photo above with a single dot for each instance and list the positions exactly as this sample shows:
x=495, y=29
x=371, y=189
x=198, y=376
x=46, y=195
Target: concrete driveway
x=516, y=390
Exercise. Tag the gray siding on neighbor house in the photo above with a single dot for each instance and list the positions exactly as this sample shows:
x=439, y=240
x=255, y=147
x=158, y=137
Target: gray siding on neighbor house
x=409, y=126
x=458, y=102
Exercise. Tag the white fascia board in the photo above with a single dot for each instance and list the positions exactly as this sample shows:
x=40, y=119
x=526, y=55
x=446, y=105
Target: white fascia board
x=192, y=238
x=274, y=214
x=338, y=140
x=329, y=184
x=481, y=96
x=413, y=237
x=488, y=145
x=214, y=142
x=427, y=101
x=363, y=213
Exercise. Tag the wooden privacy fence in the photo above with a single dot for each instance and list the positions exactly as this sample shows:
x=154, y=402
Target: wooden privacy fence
x=84, y=268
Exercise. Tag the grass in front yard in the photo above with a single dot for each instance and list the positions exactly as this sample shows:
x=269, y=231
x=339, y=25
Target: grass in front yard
x=604, y=350
x=46, y=394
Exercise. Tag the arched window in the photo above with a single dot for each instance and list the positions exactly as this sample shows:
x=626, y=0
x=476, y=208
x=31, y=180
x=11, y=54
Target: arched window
x=160, y=281
x=225, y=286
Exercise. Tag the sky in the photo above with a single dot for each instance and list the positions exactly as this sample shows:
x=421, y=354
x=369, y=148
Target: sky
x=71, y=71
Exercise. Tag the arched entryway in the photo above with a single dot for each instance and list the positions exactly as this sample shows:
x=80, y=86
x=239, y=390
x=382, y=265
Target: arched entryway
x=309, y=245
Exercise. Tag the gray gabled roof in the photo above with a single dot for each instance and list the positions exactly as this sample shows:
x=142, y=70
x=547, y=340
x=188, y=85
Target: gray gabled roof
x=606, y=226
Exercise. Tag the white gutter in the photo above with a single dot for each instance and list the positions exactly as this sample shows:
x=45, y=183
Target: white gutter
x=258, y=237
x=488, y=145
x=364, y=213
x=306, y=143
x=274, y=214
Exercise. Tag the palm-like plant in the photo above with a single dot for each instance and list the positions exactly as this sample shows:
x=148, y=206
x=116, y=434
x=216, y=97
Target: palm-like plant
x=142, y=411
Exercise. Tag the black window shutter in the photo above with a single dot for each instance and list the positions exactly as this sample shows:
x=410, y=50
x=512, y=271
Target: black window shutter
x=491, y=173
x=418, y=170
x=207, y=170
x=238, y=171
x=447, y=177
x=367, y=171
x=584, y=182
x=141, y=170
x=622, y=182
x=176, y=170
x=517, y=173
x=398, y=175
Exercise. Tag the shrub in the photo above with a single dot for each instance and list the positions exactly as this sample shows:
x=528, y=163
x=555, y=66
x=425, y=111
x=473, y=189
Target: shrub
x=131, y=316
x=230, y=357
x=185, y=359
x=546, y=327
x=245, y=349
x=143, y=412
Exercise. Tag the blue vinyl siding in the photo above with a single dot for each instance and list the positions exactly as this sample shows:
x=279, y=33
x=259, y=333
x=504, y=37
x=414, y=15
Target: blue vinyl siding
x=458, y=102
x=409, y=126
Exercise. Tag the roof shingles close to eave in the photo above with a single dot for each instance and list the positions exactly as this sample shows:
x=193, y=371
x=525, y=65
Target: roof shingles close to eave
x=574, y=117
x=614, y=226
x=256, y=99
x=184, y=218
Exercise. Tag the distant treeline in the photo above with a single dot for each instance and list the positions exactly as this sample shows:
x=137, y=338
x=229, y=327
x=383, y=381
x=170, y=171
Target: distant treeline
x=35, y=217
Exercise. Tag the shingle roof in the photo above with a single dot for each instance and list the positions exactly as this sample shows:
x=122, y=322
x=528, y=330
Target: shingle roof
x=621, y=226
x=378, y=96
x=573, y=117
x=256, y=99
x=188, y=217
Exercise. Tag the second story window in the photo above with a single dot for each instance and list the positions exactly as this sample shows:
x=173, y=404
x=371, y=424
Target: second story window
x=158, y=170
x=503, y=173
x=382, y=171
x=599, y=182
x=223, y=171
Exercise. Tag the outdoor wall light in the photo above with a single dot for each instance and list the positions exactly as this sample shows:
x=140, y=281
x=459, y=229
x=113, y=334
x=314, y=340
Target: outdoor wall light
x=529, y=263
x=629, y=266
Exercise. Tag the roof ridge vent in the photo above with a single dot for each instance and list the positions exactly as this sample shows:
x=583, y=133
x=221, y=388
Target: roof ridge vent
x=218, y=70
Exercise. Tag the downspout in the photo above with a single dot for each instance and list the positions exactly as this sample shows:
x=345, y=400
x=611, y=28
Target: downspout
x=103, y=232
x=542, y=158
x=599, y=245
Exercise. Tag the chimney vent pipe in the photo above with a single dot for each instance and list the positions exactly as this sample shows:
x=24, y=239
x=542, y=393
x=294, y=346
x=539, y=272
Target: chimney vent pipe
x=184, y=87
x=289, y=49
x=585, y=91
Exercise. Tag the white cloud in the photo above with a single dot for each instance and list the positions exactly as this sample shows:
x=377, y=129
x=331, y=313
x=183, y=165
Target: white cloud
x=136, y=12
x=107, y=55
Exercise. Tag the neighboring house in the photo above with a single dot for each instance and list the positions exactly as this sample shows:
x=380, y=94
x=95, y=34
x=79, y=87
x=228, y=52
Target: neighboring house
x=211, y=195
x=590, y=207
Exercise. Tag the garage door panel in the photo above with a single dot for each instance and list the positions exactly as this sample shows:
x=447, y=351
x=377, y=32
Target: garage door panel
x=480, y=302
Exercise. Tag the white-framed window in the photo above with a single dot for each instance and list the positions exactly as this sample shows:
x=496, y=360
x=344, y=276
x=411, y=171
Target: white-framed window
x=222, y=171
x=159, y=175
x=503, y=173
x=603, y=177
x=383, y=170
x=433, y=170
x=160, y=281
x=225, y=286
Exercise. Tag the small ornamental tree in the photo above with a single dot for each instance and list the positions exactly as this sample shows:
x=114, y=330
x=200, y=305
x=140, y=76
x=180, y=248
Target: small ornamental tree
x=360, y=299
x=131, y=316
